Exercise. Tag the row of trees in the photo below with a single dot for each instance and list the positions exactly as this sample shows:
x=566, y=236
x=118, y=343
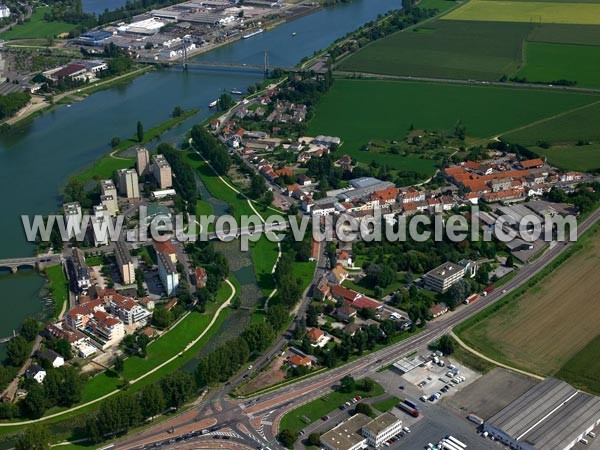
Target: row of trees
x=185, y=179
x=213, y=150
x=11, y=103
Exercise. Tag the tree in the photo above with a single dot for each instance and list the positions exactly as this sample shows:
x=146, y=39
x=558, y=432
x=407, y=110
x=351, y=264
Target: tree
x=446, y=345
x=177, y=111
x=119, y=365
x=35, y=437
x=348, y=384
x=161, y=316
x=510, y=262
x=30, y=329
x=177, y=388
x=140, y=131
x=35, y=404
x=114, y=142
x=314, y=439
x=363, y=408
x=277, y=316
x=152, y=400
x=287, y=438
x=17, y=351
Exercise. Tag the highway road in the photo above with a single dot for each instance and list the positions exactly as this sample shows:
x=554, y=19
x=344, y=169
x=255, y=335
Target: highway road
x=254, y=422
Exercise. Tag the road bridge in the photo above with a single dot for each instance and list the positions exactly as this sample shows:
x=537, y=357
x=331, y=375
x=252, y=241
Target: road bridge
x=31, y=262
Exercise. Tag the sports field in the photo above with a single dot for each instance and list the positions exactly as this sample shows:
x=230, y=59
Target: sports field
x=571, y=127
x=572, y=157
x=549, y=62
x=553, y=321
x=359, y=111
x=527, y=11
x=446, y=49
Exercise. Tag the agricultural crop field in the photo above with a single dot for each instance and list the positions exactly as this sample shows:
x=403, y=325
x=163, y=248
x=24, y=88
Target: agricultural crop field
x=446, y=49
x=580, y=124
x=523, y=332
x=583, y=368
x=549, y=62
x=362, y=110
x=566, y=34
x=528, y=11
x=582, y=158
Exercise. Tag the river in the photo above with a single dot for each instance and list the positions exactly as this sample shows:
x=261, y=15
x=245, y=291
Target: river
x=36, y=161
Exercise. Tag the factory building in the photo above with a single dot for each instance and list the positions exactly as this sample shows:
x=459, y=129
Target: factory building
x=550, y=416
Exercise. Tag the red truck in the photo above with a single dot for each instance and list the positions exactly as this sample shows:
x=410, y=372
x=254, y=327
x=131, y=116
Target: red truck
x=471, y=299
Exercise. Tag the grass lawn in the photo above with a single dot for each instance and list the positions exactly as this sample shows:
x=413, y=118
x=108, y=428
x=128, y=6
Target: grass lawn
x=264, y=255
x=581, y=124
x=362, y=110
x=386, y=405
x=59, y=287
x=515, y=331
x=445, y=49
x=94, y=261
x=572, y=157
x=37, y=27
x=470, y=360
x=550, y=62
x=370, y=292
x=299, y=418
x=583, y=368
x=528, y=11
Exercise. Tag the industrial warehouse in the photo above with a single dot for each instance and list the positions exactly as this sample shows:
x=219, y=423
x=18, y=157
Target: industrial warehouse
x=550, y=416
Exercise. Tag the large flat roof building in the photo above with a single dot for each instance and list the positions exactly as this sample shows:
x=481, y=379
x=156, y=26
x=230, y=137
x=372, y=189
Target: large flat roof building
x=347, y=435
x=442, y=277
x=552, y=415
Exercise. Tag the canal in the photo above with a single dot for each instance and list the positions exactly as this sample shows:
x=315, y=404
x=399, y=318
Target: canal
x=36, y=161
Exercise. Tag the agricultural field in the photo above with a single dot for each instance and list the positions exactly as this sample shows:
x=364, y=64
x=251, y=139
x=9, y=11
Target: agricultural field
x=566, y=34
x=566, y=128
x=37, y=27
x=446, y=49
x=550, y=62
x=582, y=158
x=518, y=331
x=528, y=11
x=359, y=111
x=583, y=368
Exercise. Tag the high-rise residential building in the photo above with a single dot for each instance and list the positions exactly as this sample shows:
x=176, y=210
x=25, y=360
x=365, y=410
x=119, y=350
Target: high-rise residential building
x=124, y=263
x=142, y=161
x=128, y=183
x=167, y=273
x=162, y=171
x=73, y=217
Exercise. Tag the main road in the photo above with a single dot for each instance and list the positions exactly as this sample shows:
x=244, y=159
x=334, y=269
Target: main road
x=255, y=421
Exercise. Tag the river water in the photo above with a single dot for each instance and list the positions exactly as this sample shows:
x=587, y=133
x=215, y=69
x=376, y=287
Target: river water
x=36, y=161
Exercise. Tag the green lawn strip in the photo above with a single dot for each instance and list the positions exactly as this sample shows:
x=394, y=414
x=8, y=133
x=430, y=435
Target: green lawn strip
x=548, y=63
x=37, y=27
x=371, y=292
x=107, y=165
x=572, y=157
x=583, y=368
x=314, y=410
x=264, y=255
x=59, y=287
x=483, y=110
x=472, y=330
x=386, y=405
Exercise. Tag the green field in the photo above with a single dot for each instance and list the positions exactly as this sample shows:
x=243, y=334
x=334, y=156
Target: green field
x=527, y=11
x=550, y=62
x=58, y=286
x=566, y=34
x=582, y=370
x=572, y=157
x=295, y=420
x=386, y=405
x=37, y=27
x=581, y=124
x=362, y=110
x=445, y=49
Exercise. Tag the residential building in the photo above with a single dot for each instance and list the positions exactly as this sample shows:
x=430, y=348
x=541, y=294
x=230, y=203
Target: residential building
x=99, y=230
x=442, y=277
x=124, y=262
x=77, y=318
x=200, y=277
x=129, y=311
x=129, y=184
x=439, y=309
x=36, y=372
x=381, y=429
x=108, y=329
x=111, y=204
x=167, y=248
x=162, y=172
x=315, y=336
x=73, y=216
x=142, y=161
x=52, y=357
x=299, y=361
x=345, y=313
x=167, y=273
x=108, y=188
x=80, y=270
